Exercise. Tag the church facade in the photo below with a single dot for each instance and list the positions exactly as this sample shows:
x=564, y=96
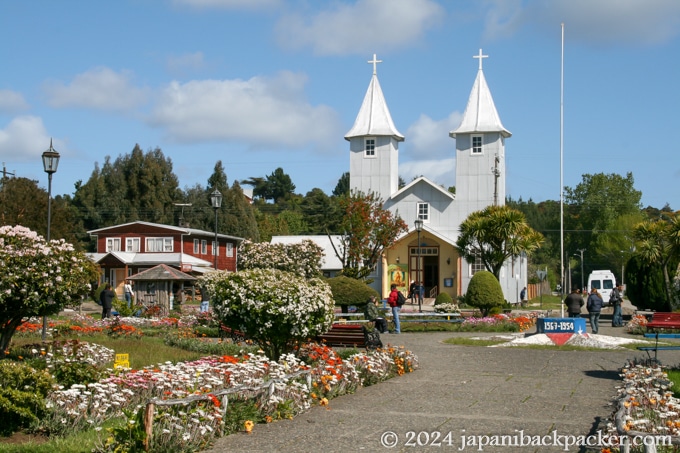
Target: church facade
x=427, y=252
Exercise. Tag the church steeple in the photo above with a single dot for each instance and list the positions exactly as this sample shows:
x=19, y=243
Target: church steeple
x=374, y=144
x=480, y=114
x=480, y=149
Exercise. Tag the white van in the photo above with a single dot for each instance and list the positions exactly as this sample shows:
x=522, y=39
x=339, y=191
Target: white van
x=604, y=282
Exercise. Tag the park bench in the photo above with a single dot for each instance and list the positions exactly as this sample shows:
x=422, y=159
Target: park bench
x=351, y=335
x=236, y=335
x=661, y=321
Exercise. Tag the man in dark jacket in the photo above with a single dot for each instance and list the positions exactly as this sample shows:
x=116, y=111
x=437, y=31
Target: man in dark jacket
x=615, y=299
x=594, y=306
x=574, y=302
x=106, y=298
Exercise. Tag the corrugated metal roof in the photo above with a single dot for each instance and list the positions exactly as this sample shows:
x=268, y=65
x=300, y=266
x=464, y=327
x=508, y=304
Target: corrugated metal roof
x=480, y=114
x=161, y=272
x=374, y=117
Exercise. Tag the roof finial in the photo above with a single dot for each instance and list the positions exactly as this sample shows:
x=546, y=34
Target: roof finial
x=375, y=61
x=480, y=56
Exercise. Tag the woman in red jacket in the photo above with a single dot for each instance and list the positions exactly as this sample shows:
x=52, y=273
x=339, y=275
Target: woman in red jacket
x=392, y=301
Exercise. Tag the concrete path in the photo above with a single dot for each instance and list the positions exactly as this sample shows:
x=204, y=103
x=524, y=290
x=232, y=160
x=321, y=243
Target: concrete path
x=462, y=390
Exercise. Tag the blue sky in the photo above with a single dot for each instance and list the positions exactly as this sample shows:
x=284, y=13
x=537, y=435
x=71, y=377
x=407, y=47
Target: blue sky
x=261, y=84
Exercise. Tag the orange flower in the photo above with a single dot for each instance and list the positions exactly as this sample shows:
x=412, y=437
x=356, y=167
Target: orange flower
x=268, y=419
x=248, y=425
x=323, y=402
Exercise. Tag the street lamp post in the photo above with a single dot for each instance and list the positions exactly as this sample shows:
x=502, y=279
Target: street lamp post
x=50, y=160
x=216, y=201
x=581, y=252
x=419, y=228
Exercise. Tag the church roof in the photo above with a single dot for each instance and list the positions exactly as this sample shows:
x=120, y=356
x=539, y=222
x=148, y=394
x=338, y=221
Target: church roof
x=374, y=117
x=480, y=114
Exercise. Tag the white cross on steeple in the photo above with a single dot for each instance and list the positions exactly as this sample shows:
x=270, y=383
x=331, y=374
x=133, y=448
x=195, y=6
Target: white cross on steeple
x=375, y=62
x=480, y=56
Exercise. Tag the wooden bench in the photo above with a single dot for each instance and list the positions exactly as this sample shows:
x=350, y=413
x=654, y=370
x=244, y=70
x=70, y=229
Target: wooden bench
x=661, y=321
x=351, y=335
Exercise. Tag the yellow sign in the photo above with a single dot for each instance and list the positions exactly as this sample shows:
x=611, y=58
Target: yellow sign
x=122, y=361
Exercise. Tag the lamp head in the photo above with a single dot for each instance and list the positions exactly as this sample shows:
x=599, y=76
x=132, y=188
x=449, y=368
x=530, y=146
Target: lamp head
x=418, y=224
x=216, y=199
x=50, y=160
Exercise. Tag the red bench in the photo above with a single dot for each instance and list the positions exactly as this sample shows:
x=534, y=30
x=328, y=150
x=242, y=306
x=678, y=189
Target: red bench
x=661, y=321
x=664, y=321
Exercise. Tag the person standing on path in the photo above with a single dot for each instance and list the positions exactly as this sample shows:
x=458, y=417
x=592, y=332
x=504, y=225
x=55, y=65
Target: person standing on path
x=392, y=301
x=594, y=306
x=412, y=292
x=106, y=298
x=523, y=297
x=616, y=300
x=127, y=290
x=574, y=302
x=421, y=292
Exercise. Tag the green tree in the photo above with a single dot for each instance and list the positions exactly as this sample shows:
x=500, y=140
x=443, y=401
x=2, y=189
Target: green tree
x=38, y=278
x=138, y=186
x=322, y=213
x=484, y=292
x=22, y=202
x=495, y=234
x=349, y=291
x=367, y=229
x=645, y=286
x=658, y=243
x=280, y=186
x=342, y=187
x=592, y=208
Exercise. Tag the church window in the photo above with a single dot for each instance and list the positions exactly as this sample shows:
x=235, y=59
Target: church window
x=477, y=266
x=476, y=144
x=370, y=147
x=424, y=211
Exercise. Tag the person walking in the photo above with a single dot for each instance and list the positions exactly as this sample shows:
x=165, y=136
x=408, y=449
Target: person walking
x=372, y=313
x=574, y=302
x=616, y=300
x=594, y=306
x=127, y=290
x=412, y=292
x=106, y=298
x=393, y=301
x=523, y=297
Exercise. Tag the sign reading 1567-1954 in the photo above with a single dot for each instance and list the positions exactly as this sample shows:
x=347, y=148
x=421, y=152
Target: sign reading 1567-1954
x=561, y=325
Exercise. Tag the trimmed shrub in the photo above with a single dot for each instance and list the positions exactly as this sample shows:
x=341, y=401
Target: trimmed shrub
x=350, y=291
x=484, y=292
x=443, y=298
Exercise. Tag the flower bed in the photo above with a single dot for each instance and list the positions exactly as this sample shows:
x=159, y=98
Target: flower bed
x=645, y=407
x=185, y=427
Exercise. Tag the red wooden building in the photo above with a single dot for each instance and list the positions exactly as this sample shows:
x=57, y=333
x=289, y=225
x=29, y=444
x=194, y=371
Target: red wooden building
x=127, y=249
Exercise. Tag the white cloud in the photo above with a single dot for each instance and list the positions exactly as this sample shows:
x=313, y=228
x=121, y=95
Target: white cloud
x=361, y=27
x=261, y=111
x=99, y=89
x=12, y=102
x=602, y=22
x=229, y=4
x=440, y=171
x=429, y=139
x=24, y=139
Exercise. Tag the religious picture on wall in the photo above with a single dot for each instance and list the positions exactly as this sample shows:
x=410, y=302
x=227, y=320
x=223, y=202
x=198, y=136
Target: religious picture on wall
x=397, y=275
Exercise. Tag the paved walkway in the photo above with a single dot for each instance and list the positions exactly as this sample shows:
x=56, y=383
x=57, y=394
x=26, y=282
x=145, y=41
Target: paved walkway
x=462, y=390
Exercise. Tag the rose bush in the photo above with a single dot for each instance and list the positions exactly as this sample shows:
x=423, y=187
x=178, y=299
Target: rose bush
x=276, y=309
x=38, y=278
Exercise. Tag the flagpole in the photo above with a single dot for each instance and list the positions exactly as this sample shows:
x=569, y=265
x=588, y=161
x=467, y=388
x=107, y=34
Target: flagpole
x=562, y=170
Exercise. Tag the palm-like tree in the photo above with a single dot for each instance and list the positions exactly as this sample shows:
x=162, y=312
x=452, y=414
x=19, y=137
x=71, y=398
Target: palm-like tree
x=495, y=234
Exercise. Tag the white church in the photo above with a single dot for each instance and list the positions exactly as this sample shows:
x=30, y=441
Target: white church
x=479, y=180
